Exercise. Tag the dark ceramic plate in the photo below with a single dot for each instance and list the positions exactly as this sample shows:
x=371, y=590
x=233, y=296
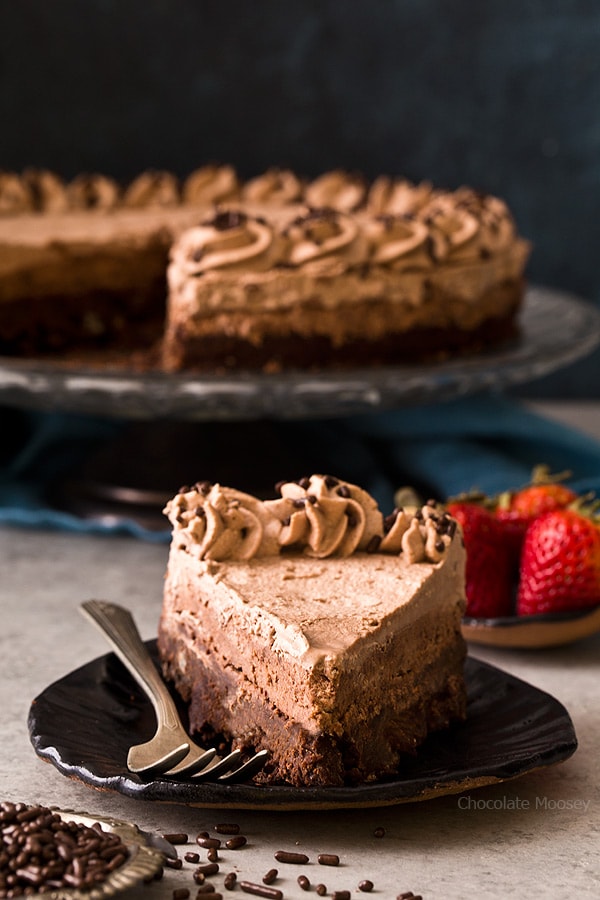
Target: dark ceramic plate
x=85, y=723
x=555, y=330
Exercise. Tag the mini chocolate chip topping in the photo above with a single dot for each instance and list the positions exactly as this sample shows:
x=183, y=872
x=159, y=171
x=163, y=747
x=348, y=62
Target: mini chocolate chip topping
x=343, y=491
x=315, y=214
x=203, y=487
x=389, y=520
x=227, y=219
x=304, y=482
x=373, y=544
x=331, y=482
x=430, y=247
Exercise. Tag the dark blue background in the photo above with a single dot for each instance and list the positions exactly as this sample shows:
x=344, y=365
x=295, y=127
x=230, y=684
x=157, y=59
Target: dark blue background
x=504, y=96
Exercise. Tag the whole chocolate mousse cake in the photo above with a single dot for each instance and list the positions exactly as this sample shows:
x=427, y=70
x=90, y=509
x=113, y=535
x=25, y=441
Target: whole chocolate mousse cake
x=313, y=627
x=305, y=286
x=214, y=272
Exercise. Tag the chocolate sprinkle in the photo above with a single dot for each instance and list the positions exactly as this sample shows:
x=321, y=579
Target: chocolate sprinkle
x=74, y=855
x=270, y=876
x=227, y=828
x=249, y=887
x=226, y=219
x=286, y=856
x=328, y=859
x=236, y=842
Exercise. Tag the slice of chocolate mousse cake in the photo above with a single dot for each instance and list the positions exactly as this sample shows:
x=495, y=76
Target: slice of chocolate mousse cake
x=312, y=627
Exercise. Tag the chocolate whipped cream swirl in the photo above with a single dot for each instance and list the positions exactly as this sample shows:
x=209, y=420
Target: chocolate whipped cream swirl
x=397, y=196
x=275, y=186
x=326, y=517
x=400, y=242
x=342, y=190
x=152, y=188
x=325, y=241
x=320, y=516
x=230, y=240
x=14, y=195
x=422, y=534
x=466, y=226
x=220, y=523
x=211, y=184
x=93, y=191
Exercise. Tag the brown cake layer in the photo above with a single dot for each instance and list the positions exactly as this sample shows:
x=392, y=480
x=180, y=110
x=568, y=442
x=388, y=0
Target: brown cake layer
x=281, y=346
x=391, y=718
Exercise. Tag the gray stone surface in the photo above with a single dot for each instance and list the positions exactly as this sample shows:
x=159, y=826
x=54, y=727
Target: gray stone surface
x=536, y=835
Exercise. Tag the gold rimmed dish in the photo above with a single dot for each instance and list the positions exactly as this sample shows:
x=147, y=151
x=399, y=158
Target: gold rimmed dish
x=145, y=859
x=533, y=632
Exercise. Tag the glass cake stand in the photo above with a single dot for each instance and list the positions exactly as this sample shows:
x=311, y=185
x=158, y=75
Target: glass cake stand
x=556, y=330
x=248, y=429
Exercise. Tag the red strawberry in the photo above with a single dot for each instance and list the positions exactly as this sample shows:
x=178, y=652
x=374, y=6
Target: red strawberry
x=517, y=509
x=560, y=562
x=489, y=582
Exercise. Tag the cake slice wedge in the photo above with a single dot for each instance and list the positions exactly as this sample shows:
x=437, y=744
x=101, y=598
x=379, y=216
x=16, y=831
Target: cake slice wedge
x=313, y=628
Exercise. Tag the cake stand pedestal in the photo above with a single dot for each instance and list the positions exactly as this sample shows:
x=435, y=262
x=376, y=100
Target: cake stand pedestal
x=238, y=428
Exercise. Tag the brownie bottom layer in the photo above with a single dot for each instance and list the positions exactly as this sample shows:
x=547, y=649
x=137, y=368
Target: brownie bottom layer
x=299, y=756
x=100, y=319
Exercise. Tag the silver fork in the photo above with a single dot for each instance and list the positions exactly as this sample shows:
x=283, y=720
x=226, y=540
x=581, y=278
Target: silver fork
x=171, y=750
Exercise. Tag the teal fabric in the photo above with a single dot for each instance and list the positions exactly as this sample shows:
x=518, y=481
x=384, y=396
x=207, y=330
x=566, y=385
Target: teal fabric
x=486, y=442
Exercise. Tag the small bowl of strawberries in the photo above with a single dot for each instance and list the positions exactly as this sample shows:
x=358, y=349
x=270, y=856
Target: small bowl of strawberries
x=533, y=563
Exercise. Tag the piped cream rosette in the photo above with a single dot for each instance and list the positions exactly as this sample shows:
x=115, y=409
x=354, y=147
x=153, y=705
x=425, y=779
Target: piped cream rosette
x=231, y=240
x=320, y=516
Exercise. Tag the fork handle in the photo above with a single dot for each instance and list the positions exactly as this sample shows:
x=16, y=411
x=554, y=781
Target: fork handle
x=118, y=626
